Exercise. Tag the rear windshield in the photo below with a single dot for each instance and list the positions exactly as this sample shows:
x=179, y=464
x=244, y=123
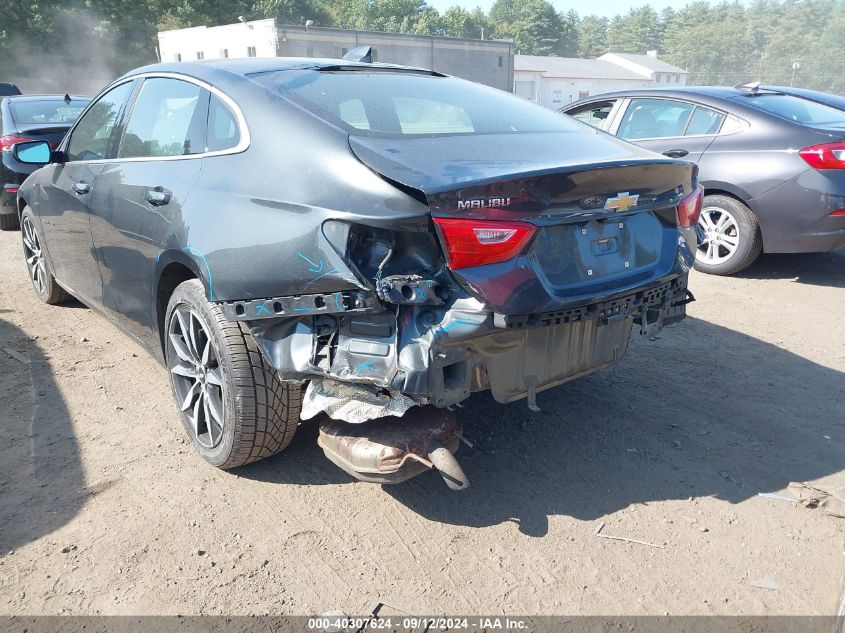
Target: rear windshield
x=396, y=104
x=797, y=109
x=53, y=111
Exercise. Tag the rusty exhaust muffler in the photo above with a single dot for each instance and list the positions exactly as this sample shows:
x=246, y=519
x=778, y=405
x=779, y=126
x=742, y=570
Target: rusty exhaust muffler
x=391, y=450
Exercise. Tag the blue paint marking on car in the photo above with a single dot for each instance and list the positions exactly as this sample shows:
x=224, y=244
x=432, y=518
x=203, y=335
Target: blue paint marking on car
x=201, y=255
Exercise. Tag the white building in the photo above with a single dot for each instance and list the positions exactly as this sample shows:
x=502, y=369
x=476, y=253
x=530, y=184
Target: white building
x=244, y=39
x=557, y=81
x=658, y=71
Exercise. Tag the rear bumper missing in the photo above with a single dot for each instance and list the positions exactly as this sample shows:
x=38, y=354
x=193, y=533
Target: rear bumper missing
x=441, y=354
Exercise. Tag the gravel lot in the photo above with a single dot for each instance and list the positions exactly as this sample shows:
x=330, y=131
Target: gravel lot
x=104, y=508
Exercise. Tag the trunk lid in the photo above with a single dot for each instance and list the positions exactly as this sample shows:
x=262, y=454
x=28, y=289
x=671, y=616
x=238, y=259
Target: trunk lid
x=53, y=134
x=604, y=209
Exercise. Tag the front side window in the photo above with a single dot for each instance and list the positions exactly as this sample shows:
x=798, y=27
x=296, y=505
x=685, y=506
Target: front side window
x=595, y=114
x=655, y=118
x=397, y=104
x=168, y=119
x=91, y=137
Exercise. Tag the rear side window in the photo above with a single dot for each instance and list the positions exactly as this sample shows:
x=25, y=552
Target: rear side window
x=168, y=119
x=396, y=104
x=595, y=114
x=796, y=109
x=655, y=118
x=223, y=131
x=46, y=112
x=91, y=137
x=704, y=121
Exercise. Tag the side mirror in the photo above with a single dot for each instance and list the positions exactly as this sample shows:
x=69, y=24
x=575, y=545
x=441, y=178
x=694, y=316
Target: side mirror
x=32, y=152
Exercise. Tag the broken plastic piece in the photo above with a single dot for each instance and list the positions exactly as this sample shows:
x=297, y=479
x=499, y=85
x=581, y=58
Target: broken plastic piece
x=410, y=289
x=353, y=403
x=531, y=386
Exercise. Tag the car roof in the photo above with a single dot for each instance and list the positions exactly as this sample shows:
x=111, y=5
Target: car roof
x=256, y=65
x=716, y=92
x=30, y=97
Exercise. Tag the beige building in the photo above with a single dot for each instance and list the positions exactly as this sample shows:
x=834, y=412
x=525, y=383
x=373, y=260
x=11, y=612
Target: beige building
x=557, y=81
x=488, y=62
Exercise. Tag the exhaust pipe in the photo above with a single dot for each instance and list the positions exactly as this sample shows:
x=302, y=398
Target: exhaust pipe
x=392, y=450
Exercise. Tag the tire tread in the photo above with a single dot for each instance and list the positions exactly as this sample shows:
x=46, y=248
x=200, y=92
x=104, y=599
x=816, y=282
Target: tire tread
x=267, y=410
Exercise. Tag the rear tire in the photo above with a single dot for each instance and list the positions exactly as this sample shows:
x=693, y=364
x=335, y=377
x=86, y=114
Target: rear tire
x=9, y=222
x=233, y=406
x=731, y=236
x=37, y=266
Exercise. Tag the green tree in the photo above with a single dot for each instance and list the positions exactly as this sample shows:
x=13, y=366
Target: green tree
x=592, y=36
x=569, y=34
x=636, y=32
x=459, y=22
x=721, y=51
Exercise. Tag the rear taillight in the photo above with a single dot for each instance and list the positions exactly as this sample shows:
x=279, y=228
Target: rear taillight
x=690, y=208
x=10, y=140
x=10, y=188
x=478, y=242
x=826, y=156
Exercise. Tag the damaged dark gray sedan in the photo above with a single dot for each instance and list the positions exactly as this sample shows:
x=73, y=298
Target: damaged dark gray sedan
x=298, y=236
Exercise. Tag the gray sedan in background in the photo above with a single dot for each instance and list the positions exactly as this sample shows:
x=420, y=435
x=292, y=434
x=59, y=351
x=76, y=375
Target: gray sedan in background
x=772, y=164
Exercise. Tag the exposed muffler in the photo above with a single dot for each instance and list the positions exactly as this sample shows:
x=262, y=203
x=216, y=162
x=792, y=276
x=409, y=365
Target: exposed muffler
x=391, y=450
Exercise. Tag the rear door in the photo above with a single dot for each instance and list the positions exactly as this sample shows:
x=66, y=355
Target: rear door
x=679, y=129
x=140, y=194
x=65, y=217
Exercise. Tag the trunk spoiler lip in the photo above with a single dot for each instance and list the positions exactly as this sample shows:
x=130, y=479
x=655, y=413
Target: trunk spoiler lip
x=407, y=178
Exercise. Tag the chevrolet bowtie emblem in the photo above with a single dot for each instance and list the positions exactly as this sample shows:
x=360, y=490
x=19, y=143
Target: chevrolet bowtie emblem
x=622, y=202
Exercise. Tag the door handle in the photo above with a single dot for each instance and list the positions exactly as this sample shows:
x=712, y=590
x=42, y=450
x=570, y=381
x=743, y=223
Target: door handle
x=675, y=153
x=81, y=188
x=157, y=197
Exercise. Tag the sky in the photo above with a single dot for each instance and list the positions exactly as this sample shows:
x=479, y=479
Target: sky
x=607, y=8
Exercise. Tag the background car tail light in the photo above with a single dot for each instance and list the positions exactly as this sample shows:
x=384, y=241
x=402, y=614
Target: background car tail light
x=839, y=213
x=10, y=188
x=690, y=208
x=478, y=242
x=10, y=140
x=825, y=156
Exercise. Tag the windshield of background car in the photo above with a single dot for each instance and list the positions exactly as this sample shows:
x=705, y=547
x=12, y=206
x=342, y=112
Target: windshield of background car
x=398, y=104
x=47, y=112
x=797, y=109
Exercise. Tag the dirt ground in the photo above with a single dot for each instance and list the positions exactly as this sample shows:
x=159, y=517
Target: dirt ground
x=105, y=509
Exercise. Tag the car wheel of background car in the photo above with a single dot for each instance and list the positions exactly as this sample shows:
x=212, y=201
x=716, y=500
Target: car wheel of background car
x=8, y=222
x=36, y=265
x=729, y=237
x=234, y=407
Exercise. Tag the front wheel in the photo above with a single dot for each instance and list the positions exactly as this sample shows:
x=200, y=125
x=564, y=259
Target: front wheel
x=233, y=406
x=729, y=238
x=40, y=274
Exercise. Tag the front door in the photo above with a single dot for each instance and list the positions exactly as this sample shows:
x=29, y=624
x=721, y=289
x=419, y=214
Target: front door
x=65, y=222
x=139, y=196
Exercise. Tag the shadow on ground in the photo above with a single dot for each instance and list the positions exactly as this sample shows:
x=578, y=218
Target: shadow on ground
x=703, y=411
x=816, y=269
x=41, y=480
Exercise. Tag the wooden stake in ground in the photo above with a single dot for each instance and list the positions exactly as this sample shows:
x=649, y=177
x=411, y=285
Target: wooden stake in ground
x=622, y=538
